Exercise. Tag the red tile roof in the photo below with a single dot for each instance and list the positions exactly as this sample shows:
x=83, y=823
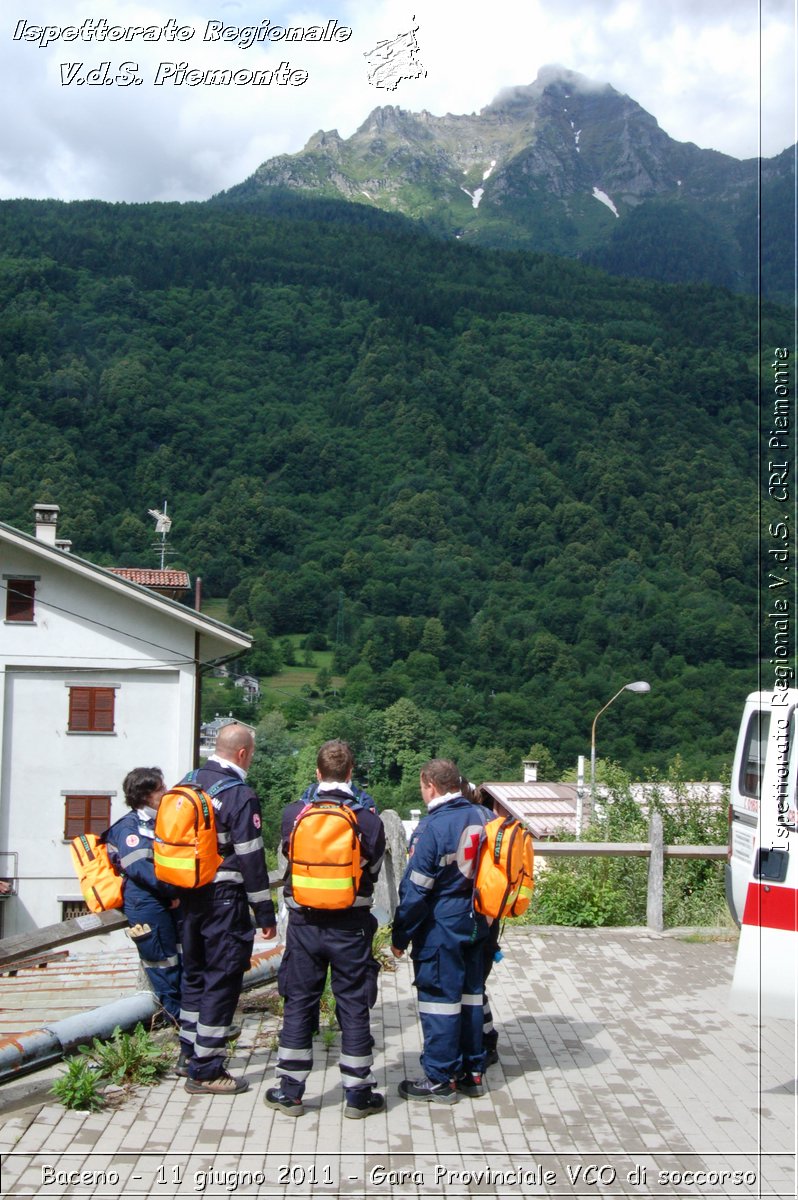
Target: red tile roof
x=154, y=579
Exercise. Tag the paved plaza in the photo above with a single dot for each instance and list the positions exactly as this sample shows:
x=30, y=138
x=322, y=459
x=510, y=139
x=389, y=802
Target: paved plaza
x=623, y=1073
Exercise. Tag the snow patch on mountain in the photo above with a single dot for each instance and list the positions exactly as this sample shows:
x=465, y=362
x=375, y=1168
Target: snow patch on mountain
x=604, y=198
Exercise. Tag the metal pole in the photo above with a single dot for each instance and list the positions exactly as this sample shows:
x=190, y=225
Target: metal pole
x=580, y=793
x=637, y=686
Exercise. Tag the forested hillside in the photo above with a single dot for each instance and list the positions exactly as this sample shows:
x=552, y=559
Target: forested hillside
x=501, y=484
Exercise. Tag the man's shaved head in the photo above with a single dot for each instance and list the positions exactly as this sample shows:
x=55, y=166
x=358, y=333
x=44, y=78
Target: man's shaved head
x=231, y=739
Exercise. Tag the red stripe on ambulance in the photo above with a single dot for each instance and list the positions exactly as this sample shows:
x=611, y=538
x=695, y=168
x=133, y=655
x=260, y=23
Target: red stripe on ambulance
x=771, y=907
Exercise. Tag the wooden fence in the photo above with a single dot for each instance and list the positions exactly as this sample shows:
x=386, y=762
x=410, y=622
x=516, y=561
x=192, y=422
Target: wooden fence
x=654, y=849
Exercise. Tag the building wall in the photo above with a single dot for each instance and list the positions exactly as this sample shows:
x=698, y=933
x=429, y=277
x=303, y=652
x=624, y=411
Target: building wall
x=88, y=635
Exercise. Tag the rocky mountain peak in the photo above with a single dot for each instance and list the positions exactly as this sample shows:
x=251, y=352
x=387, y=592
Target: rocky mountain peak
x=565, y=164
x=553, y=80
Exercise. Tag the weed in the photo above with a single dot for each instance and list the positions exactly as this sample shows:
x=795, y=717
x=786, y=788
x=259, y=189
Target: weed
x=327, y=1004
x=79, y=1086
x=125, y=1060
x=130, y=1058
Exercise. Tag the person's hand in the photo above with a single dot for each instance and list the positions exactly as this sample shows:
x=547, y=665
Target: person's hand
x=5, y=887
x=396, y=952
x=269, y=933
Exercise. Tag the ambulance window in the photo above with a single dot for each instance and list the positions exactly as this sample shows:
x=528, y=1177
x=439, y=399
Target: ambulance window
x=753, y=761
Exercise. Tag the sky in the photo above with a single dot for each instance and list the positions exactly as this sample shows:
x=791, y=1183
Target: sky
x=719, y=73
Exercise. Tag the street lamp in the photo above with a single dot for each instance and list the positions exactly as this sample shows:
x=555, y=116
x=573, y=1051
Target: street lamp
x=640, y=686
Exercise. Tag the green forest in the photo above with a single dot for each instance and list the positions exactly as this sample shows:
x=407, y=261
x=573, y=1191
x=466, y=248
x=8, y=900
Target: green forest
x=489, y=487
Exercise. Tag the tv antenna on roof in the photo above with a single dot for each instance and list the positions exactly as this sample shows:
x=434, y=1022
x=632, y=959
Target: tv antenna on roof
x=163, y=524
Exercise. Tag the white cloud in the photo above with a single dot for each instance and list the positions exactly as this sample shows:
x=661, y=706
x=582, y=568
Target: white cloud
x=693, y=64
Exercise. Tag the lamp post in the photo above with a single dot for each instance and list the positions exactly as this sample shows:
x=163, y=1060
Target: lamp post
x=640, y=686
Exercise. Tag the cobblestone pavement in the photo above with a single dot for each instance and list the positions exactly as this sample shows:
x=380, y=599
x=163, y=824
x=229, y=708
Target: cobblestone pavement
x=623, y=1073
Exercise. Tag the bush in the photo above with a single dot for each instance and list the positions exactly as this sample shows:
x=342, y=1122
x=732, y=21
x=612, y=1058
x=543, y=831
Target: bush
x=597, y=890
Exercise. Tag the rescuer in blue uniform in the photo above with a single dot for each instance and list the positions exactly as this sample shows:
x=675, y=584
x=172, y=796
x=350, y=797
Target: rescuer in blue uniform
x=218, y=932
x=147, y=902
x=338, y=939
x=436, y=916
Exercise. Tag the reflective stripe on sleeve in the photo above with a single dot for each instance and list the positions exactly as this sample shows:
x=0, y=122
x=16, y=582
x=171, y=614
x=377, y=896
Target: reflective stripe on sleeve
x=228, y=877
x=135, y=856
x=248, y=847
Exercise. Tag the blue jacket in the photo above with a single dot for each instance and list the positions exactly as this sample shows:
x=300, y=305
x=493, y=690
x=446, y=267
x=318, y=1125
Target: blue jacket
x=129, y=842
x=238, y=832
x=436, y=892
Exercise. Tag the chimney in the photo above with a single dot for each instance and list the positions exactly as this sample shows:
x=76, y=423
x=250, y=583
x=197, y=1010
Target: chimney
x=46, y=519
x=531, y=770
x=63, y=544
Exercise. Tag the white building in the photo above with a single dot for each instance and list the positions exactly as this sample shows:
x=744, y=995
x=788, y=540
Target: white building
x=97, y=675
x=250, y=687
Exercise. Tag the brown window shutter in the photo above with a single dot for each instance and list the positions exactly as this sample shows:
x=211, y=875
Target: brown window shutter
x=19, y=599
x=103, y=710
x=91, y=710
x=86, y=814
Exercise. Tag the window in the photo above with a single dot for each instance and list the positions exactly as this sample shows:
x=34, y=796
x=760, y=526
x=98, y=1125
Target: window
x=19, y=599
x=86, y=814
x=91, y=710
x=73, y=908
x=753, y=760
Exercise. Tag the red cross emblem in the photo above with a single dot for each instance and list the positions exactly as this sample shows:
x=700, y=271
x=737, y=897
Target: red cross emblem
x=471, y=851
x=468, y=850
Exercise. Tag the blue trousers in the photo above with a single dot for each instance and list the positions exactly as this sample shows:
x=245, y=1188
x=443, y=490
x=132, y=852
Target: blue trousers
x=217, y=949
x=449, y=982
x=309, y=951
x=159, y=950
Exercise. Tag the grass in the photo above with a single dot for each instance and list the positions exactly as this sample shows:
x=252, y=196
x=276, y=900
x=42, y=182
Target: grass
x=217, y=610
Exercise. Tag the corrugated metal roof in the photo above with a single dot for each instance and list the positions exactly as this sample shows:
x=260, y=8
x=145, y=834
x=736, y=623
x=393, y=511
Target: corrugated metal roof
x=66, y=986
x=547, y=808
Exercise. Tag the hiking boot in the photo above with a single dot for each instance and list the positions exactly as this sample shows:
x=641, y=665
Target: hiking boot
x=470, y=1084
x=364, y=1103
x=276, y=1098
x=181, y=1066
x=427, y=1089
x=222, y=1085
x=491, y=1058
x=234, y=1032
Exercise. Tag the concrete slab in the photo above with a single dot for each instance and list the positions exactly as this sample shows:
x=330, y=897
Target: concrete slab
x=623, y=1073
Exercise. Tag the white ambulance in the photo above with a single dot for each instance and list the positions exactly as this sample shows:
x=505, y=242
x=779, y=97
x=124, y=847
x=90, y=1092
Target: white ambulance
x=762, y=870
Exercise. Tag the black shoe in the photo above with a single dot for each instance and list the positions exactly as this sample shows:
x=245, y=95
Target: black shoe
x=181, y=1066
x=366, y=1103
x=234, y=1032
x=470, y=1084
x=491, y=1058
x=276, y=1098
x=426, y=1089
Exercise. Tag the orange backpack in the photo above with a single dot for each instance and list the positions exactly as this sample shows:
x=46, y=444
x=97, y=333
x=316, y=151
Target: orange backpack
x=185, y=849
x=99, y=882
x=324, y=855
x=503, y=882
